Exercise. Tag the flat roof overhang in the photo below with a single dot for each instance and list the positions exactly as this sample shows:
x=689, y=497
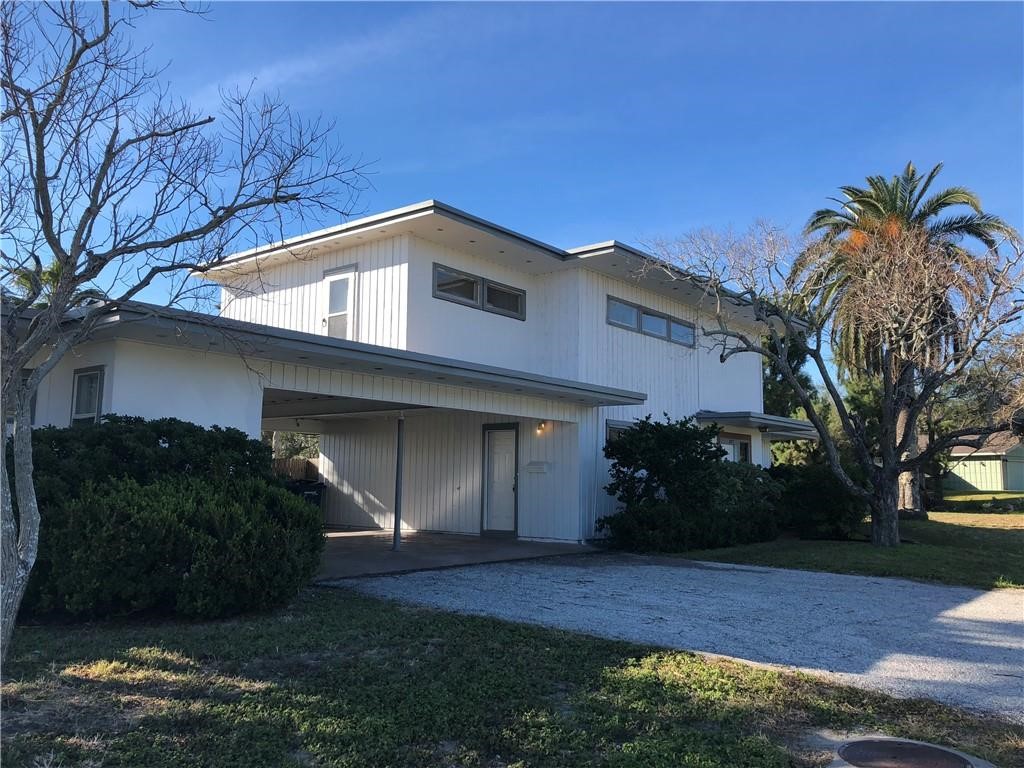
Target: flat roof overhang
x=451, y=227
x=209, y=333
x=776, y=427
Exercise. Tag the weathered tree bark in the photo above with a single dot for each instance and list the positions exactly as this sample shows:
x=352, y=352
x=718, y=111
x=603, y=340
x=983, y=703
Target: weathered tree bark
x=885, y=518
x=20, y=538
x=910, y=502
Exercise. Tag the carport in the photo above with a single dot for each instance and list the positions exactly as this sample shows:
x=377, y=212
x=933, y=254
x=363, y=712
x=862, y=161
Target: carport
x=417, y=443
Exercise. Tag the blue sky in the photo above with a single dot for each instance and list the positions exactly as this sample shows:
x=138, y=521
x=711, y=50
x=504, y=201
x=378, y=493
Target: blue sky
x=575, y=123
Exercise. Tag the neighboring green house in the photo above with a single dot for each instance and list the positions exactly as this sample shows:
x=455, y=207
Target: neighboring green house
x=997, y=466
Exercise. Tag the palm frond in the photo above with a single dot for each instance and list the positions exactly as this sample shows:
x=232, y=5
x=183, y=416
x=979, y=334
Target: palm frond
x=944, y=199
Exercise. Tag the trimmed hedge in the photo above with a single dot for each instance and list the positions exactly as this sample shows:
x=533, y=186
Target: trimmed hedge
x=165, y=517
x=677, y=494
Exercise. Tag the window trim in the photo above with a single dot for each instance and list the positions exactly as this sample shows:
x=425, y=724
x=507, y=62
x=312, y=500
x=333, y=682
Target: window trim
x=97, y=369
x=616, y=323
x=610, y=424
x=685, y=324
x=641, y=310
x=458, y=299
x=483, y=283
x=502, y=287
x=348, y=272
x=739, y=439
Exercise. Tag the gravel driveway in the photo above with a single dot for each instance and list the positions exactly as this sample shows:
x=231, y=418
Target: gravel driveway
x=958, y=645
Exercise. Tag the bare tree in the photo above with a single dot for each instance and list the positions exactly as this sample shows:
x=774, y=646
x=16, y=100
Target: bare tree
x=762, y=290
x=111, y=185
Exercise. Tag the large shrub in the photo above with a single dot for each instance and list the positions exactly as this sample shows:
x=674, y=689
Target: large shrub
x=676, y=493
x=815, y=504
x=164, y=517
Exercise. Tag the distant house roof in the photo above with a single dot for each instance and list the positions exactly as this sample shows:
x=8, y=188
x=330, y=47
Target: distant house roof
x=998, y=444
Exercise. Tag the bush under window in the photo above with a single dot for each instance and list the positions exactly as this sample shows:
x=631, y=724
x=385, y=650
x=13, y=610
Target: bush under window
x=676, y=493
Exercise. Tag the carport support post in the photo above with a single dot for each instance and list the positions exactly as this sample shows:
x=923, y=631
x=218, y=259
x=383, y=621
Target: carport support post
x=399, y=451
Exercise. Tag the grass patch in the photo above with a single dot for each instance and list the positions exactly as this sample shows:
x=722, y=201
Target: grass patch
x=340, y=679
x=984, y=501
x=976, y=550
x=985, y=496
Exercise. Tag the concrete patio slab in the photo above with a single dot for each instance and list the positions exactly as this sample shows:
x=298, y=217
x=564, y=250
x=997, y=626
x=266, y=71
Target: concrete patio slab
x=348, y=554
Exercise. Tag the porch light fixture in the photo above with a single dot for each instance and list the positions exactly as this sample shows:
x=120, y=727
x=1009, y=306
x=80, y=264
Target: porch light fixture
x=541, y=427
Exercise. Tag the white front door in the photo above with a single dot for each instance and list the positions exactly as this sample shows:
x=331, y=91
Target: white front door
x=500, y=480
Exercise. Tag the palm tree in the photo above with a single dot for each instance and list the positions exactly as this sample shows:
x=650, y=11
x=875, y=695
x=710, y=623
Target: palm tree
x=889, y=208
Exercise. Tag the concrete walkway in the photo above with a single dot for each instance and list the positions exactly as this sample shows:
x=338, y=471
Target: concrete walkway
x=961, y=646
x=361, y=553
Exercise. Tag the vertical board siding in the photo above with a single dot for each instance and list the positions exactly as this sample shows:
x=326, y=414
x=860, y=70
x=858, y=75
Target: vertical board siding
x=323, y=381
x=290, y=295
x=980, y=473
x=443, y=474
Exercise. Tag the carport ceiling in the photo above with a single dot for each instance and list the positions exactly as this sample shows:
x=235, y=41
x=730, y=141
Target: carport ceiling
x=286, y=404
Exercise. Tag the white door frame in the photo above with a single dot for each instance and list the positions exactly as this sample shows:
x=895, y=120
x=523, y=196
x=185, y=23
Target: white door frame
x=349, y=273
x=513, y=427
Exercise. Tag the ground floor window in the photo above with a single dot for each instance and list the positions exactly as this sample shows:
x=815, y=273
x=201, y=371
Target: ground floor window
x=737, y=447
x=87, y=396
x=614, y=429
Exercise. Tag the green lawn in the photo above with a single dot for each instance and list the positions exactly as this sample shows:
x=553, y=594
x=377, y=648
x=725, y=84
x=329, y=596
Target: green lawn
x=978, y=550
x=344, y=680
x=985, y=496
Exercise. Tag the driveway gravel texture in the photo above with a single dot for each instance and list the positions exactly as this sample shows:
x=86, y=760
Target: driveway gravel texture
x=957, y=645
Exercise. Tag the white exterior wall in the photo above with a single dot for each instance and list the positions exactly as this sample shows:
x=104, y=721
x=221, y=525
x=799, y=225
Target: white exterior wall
x=291, y=294
x=565, y=334
x=448, y=329
x=443, y=474
x=53, y=398
x=155, y=381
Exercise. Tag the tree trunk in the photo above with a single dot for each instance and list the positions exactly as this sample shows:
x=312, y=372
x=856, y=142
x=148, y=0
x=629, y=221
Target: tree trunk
x=885, y=517
x=910, y=502
x=20, y=538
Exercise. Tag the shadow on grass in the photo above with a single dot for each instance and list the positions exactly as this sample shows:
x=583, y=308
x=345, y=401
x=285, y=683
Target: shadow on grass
x=346, y=680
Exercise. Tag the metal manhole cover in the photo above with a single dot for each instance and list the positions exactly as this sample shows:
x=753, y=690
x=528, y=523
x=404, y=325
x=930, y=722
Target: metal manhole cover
x=892, y=753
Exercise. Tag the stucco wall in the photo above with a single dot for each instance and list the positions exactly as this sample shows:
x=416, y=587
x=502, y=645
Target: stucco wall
x=155, y=381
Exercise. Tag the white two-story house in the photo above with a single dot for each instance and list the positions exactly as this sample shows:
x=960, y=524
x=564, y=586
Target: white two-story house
x=471, y=371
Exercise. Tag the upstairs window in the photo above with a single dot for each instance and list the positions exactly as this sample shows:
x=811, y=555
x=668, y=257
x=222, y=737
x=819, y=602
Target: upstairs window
x=654, y=325
x=623, y=314
x=456, y=286
x=87, y=396
x=505, y=300
x=340, y=293
x=649, y=322
x=475, y=291
x=682, y=333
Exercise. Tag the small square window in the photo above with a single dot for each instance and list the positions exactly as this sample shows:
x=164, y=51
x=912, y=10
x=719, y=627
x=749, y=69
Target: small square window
x=654, y=325
x=87, y=396
x=682, y=333
x=621, y=313
x=456, y=286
